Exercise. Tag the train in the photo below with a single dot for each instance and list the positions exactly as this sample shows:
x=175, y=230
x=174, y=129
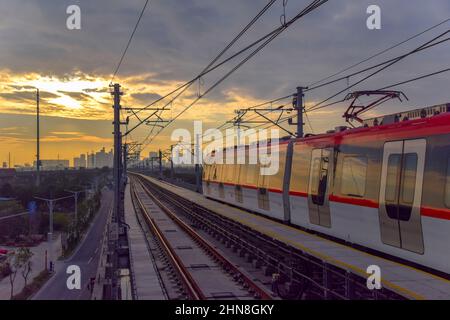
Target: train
x=384, y=186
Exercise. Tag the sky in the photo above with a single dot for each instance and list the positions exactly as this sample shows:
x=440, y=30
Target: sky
x=173, y=43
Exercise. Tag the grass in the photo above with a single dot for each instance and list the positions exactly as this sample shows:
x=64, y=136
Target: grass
x=34, y=286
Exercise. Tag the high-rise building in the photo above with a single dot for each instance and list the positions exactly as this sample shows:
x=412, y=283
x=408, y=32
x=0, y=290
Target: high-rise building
x=79, y=162
x=104, y=159
x=90, y=160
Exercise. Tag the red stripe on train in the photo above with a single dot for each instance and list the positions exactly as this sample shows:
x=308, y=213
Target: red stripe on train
x=355, y=201
x=435, y=213
x=424, y=211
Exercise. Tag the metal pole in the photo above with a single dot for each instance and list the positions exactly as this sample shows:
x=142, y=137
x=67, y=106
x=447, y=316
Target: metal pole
x=197, y=163
x=117, y=185
x=117, y=151
x=172, y=174
x=299, y=108
x=38, y=161
x=125, y=158
x=50, y=235
x=160, y=164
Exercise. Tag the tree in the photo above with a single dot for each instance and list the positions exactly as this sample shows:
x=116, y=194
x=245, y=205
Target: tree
x=25, y=255
x=13, y=264
x=17, y=261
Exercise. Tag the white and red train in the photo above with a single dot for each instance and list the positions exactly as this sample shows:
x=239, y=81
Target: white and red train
x=384, y=187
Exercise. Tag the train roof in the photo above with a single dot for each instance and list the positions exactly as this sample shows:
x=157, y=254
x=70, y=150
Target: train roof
x=438, y=115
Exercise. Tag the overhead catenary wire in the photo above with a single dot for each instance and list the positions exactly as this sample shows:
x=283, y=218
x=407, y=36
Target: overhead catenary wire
x=285, y=119
x=379, y=70
x=315, y=85
x=116, y=70
x=206, y=70
x=337, y=80
x=312, y=6
x=380, y=52
x=209, y=68
x=383, y=88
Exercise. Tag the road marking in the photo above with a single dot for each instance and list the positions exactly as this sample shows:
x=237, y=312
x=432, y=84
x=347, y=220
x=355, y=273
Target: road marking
x=90, y=259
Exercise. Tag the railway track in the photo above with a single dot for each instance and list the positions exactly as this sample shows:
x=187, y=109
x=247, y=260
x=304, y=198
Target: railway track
x=202, y=271
x=295, y=274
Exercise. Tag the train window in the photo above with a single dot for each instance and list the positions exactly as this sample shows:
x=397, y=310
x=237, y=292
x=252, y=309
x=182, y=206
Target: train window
x=251, y=174
x=354, y=172
x=393, y=168
x=220, y=168
x=409, y=177
x=447, y=185
x=300, y=169
x=213, y=173
x=319, y=177
x=230, y=172
x=276, y=180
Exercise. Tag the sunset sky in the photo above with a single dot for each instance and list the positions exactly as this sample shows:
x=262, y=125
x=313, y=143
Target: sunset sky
x=174, y=42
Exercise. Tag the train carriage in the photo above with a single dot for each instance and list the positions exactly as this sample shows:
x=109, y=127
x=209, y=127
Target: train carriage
x=384, y=187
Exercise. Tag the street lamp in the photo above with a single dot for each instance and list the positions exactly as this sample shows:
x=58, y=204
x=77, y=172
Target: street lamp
x=75, y=195
x=51, y=205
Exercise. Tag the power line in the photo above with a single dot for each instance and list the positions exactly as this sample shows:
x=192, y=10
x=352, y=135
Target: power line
x=312, y=6
x=354, y=73
x=207, y=69
x=381, y=69
x=415, y=79
x=374, y=66
x=386, y=87
x=129, y=41
x=380, y=52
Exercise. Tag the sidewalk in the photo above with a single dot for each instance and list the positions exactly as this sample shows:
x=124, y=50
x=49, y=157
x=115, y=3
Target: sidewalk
x=38, y=265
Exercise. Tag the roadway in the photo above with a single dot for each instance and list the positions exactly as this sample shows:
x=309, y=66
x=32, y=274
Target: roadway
x=86, y=257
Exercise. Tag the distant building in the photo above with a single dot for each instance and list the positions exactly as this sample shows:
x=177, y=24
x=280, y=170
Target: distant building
x=79, y=162
x=104, y=159
x=90, y=162
x=98, y=159
x=52, y=164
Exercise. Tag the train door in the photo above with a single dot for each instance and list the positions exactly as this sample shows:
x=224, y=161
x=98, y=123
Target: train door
x=401, y=194
x=238, y=188
x=320, y=178
x=263, y=193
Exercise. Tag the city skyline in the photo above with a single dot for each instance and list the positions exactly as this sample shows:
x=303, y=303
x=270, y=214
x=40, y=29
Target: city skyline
x=73, y=72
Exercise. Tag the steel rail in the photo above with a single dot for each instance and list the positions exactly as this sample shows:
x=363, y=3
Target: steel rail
x=257, y=290
x=191, y=287
x=224, y=225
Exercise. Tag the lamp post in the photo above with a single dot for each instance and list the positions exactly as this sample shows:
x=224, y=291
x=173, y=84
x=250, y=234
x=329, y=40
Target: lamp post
x=75, y=195
x=51, y=205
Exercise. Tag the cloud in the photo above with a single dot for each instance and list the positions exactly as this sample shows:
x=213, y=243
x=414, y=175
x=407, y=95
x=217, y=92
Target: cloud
x=177, y=39
x=70, y=133
x=146, y=97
